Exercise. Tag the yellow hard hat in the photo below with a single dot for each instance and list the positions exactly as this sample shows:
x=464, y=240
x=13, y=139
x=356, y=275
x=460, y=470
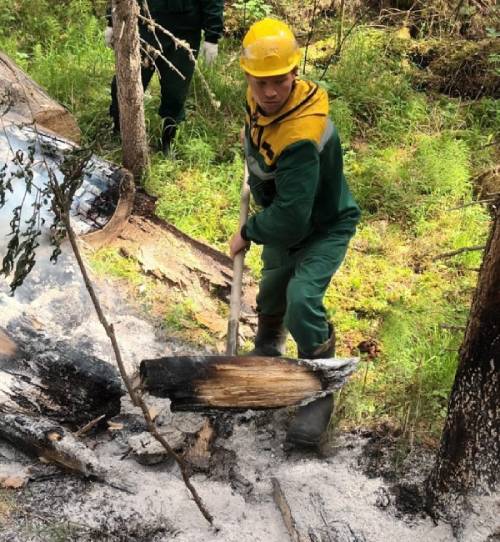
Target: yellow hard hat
x=269, y=48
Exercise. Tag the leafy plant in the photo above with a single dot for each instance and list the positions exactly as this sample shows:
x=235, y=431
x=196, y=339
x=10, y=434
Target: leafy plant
x=252, y=10
x=25, y=229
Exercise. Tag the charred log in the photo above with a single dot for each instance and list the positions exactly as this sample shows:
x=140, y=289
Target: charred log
x=241, y=382
x=52, y=443
x=31, y=118
x=310, y=519
x=40, y=377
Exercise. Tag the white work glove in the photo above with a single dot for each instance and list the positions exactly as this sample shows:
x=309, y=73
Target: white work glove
x=209, y=51
x=108, y=37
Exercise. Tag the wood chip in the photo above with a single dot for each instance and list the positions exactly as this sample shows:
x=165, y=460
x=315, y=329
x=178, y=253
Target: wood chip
x=114, y=426
x=212, y=321
x=14, y=482
x=153, y=412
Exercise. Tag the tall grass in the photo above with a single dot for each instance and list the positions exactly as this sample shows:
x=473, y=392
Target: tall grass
x=410, y=183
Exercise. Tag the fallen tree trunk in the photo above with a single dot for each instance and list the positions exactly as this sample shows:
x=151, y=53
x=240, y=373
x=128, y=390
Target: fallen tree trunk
x=42, y=378
x=24, y=102
x=241, y=382
x=31, y=118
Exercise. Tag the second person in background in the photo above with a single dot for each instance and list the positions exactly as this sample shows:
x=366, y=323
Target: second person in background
x=186, y=20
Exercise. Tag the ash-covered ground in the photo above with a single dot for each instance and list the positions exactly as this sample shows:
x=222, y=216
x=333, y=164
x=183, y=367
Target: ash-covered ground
x=352, y=492
x=340, y=495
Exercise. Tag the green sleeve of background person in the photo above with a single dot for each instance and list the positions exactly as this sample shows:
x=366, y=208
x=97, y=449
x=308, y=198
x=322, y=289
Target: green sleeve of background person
x=311, y=196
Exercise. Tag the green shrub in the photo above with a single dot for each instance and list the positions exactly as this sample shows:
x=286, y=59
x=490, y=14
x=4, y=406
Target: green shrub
x=369, y=79
x=41, y=22
x=411, y=184
x=409, y=381
x=252, y=10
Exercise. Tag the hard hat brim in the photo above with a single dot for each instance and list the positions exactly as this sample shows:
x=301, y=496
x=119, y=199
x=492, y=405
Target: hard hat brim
x=268, y=73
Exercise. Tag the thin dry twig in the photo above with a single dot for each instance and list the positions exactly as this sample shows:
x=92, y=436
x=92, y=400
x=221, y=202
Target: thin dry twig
x=110, y=332
x=155, y=53
x=452, y=327
x=149, y=21
x=309, y=35
x=63, y=204
x=88, y=426
x=470, y=204
x=459, y=251
x=177, y=42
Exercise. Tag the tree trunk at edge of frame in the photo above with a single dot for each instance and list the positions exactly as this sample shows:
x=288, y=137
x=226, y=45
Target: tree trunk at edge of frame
x=130, y=91
x=467, y=462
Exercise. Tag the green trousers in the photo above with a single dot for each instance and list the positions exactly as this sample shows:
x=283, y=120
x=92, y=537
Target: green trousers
x=294, y=283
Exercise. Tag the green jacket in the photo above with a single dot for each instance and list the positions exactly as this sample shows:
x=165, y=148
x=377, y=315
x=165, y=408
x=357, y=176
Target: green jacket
x=296, y=172
x=187, y=15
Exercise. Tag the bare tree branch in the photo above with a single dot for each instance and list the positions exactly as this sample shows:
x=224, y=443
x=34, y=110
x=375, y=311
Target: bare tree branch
x=459, y=251
x=63, y=203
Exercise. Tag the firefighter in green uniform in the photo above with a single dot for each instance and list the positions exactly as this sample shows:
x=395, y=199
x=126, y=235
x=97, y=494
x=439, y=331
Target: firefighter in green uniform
x=185, y=19
x=307, y=215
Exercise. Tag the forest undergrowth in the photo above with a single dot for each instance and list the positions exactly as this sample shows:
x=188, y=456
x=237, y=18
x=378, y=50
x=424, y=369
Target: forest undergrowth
x=413, y=157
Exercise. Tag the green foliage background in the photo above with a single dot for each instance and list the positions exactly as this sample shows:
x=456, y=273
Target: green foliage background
x=410, y=158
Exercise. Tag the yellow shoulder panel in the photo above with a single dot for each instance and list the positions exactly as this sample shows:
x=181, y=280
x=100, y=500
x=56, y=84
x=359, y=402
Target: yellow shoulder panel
x=284, y=134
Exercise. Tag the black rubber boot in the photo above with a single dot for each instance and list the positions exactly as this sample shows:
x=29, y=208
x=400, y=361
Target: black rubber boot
x=114, y=111
x=311, y=421
x=167, y=136
x=270, y=338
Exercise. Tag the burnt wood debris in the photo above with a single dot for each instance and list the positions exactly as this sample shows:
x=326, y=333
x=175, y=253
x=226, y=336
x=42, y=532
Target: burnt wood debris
x=30, y=118
x=45, y=384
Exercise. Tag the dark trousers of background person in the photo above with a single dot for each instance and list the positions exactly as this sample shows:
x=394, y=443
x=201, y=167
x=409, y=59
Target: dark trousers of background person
x=174, y=88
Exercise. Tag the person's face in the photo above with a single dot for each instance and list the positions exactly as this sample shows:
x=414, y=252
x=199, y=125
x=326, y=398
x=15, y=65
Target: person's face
x=271, y=93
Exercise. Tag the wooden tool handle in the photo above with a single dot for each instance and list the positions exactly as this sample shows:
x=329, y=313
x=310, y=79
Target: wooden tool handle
x=235, y=302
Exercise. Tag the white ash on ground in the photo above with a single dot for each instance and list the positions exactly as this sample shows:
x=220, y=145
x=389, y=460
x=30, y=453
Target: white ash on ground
x=322, y=491
x=331, y=497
